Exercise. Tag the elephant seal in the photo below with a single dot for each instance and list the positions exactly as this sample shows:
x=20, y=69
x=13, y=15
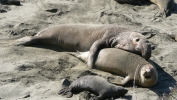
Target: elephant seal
x=85, y=37
x=95, y=84
x=125, y=64
x=165, y=5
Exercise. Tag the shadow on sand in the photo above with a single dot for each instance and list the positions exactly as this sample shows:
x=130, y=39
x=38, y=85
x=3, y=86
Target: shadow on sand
x=165, y=81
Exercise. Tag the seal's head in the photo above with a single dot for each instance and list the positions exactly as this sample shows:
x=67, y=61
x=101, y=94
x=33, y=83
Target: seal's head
x=141, y=45
x=120, y=91
x=148, y=75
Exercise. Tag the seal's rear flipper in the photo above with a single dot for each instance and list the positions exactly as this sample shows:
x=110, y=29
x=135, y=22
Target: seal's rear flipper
x=80, y=55
x=24, y=41
x=75, y=54
x=65, y=91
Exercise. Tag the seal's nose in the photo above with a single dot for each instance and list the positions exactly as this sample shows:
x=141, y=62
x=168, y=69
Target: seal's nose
x=146, y=49
x=123, y=92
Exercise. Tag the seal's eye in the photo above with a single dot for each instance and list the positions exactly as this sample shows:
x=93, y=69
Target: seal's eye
x=137, y=39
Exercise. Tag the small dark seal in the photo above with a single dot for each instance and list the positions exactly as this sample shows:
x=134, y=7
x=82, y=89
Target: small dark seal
x=95, y=84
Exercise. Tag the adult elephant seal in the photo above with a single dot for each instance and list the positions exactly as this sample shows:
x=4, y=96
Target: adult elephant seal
x=90, y=37
x=126, y=64
x=95, y=84
x=165, y=5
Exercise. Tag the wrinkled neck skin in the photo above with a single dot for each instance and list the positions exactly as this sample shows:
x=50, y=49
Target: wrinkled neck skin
x=122, y=41
x=131, y=41
x=83, y=56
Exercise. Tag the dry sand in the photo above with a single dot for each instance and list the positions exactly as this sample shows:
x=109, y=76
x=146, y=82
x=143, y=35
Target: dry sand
x=36, y=72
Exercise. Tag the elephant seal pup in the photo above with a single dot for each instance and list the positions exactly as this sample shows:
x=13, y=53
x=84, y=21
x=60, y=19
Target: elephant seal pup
x=95, y=84
x=85, y=37
x=125, y=64
x=165, y=5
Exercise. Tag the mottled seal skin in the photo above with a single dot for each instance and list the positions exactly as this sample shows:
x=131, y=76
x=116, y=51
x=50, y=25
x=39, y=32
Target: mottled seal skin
x=85, y=37
x=125, y=64
x=95, y=84
x=165, y=5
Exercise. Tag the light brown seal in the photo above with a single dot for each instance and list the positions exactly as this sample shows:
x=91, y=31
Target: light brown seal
x=85, y=37
x=165, y=5
x=95, y=84
x=125, y=64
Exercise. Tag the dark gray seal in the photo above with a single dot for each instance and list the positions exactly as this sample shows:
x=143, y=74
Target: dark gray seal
x=84, y=37
x=126, y=64
x=95, y=84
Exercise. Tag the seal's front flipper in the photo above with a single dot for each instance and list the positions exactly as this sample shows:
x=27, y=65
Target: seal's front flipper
x=123, y=82
x=94, y=50
x=24, y=41
x=100, y=97
x=164, y=13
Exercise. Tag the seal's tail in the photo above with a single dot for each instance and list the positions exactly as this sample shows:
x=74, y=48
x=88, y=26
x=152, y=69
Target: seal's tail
x=77, y=55
x=66, y=90
x=24, y=41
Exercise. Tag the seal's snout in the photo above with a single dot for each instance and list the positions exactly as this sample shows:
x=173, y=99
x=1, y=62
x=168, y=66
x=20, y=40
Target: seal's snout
x=146, y=49
x=147, y=73
x=123, y=92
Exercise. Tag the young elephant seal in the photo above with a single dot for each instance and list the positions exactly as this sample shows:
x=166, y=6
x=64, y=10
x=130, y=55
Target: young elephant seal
x=165, y=5
x=95, y=84
x=91, y=37
x=125, y=64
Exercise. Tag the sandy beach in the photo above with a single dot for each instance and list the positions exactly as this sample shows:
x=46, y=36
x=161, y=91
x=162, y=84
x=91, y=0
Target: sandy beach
x=36, y=72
